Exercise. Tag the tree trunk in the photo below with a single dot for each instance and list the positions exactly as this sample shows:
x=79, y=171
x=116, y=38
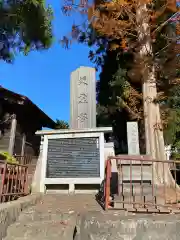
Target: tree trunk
x=153, y=127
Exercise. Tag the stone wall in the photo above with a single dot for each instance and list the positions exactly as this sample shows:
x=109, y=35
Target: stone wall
x=118, y=226
x=10, y=211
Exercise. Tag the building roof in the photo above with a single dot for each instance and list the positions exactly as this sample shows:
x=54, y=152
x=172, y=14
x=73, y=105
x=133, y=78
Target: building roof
x=19, y=99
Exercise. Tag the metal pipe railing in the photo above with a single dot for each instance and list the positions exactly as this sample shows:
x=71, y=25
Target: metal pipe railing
x=138, y=187
x=13, y=181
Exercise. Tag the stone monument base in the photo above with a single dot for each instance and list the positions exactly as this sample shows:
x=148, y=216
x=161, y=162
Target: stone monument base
x=72, y=161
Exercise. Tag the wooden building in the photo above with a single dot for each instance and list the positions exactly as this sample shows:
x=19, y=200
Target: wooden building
x=20, y=118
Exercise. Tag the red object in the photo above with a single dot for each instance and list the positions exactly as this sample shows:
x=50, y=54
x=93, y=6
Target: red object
x=107, y=183
x=13, y=181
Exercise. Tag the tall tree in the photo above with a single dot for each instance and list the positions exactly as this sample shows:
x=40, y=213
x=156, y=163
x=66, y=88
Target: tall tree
x=25, y=25
x=119, y=99
x=138, y=26
x=60, y=124
x=144, y=28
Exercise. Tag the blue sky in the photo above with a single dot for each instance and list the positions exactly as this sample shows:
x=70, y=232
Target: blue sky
x=44, y=77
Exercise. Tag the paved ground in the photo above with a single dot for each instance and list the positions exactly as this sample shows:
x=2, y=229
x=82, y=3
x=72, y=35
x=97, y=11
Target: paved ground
x=52, y=218
x=55, y=218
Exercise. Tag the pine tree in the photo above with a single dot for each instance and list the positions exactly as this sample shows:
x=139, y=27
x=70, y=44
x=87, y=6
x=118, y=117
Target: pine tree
x=25, y=25
x=60, y=124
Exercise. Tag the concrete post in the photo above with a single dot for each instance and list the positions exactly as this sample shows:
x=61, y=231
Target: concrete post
x=12, y=135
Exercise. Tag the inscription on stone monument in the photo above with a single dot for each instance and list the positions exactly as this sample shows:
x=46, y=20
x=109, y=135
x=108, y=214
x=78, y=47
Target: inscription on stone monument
x=82, y=117
x=83, y=80
x=83, y=98
x=73, y=157
x=133, y=138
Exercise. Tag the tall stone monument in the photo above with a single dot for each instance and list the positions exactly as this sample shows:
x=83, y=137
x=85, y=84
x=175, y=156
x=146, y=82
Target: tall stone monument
x=83, y=98
x=133, y=138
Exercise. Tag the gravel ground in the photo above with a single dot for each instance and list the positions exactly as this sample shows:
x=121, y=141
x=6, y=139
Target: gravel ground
x=53, y=218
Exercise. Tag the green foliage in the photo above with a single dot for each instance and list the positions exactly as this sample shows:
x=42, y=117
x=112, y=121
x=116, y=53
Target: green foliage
x=8, y=158
x=25, y=25
x=113, y=31
x=60, y=124
x=103, y=117
x=172, y=132
x=120, y=87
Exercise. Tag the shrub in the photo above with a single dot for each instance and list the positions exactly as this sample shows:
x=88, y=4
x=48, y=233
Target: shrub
x=8, y=158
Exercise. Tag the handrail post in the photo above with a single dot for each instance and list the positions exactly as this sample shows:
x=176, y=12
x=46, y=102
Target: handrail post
x=107, y=183
x=3, y=181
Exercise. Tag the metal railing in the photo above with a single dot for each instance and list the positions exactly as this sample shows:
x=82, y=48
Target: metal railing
x=142, y=184
x=13, y=181
x=26, y=159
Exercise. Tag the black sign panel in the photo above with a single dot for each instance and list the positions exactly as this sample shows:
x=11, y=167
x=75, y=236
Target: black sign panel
x=73, y=158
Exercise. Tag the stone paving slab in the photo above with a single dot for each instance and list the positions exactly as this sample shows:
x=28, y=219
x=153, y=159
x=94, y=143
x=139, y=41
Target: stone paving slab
x=123, y=226
x=54, y=217
x=10, y=211
x=52, y=229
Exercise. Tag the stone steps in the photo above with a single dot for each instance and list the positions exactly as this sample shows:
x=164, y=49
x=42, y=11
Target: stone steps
x=133, y=196
x=54, y=217
x=147, y=198
x=134, y=168
x=137, y=188
x=135, y=208
x=139, y=203
x=135, y=173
